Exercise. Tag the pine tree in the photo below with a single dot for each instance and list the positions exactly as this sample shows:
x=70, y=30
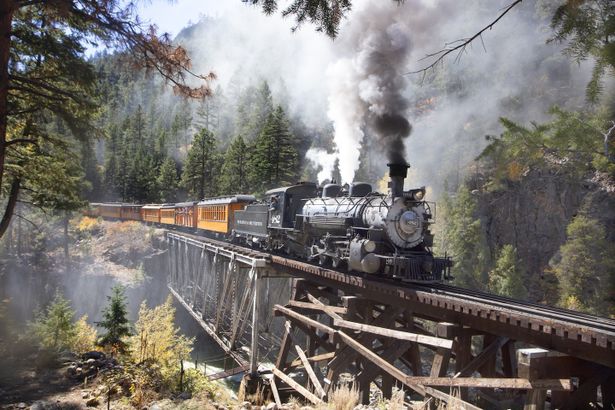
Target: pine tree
x=253, y=111
x=115, y=321
x=586, y=270
x=506, y=277
x=275, y=159
x=200, y=172
x=55, y=328
x=168, y=181
x=234, y=178
x=463, y=239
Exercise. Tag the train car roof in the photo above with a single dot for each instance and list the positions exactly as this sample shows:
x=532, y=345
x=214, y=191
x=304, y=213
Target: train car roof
x=184, y=204
x=306, y=187
x=230, y=199
x=112, y=204
x=167, y=206
x=152, y=206
x=133, y=205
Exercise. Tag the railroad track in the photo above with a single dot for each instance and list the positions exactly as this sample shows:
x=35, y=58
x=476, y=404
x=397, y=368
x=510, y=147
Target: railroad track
x=552, y=312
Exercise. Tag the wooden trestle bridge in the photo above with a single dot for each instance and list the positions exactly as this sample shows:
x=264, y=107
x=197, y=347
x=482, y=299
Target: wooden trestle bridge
x=301, y=329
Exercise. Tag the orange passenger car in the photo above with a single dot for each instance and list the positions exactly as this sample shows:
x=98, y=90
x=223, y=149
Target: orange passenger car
x=216, y=214
x=92, y=210
x=130, y=212
x=185, y=214
x=151, y=213
x=110, y=210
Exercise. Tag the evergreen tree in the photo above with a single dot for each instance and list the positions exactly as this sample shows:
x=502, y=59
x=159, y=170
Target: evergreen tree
x=275, y=158
x=115, y=321
x=506, y=277
x=463, y=239
x=208, y=111
x=200, y=172
x=253, y=111
x=55, y=328
x=234, y=178
x=586, y=269
x=168, y=181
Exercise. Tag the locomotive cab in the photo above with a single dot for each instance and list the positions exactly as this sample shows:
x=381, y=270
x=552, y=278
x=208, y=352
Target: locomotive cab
x=285, y=203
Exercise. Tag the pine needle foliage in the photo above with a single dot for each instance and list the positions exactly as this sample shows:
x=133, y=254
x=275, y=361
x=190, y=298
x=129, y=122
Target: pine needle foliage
x=201, y=170
x=168, y=181
x=506, y=278
x=115, y=322
x=588, y=27
x=235, y=170
x=274, y=161
x=54, y=328
x=586, y=268
x=463, y=239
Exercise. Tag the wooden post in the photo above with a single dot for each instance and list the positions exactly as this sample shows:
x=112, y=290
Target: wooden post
x=255, y=322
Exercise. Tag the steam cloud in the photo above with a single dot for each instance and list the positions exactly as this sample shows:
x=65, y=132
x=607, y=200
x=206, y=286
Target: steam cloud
x=367, y=90
x=517, y=75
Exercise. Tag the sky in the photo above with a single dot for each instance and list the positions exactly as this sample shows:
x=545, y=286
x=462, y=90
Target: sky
x=171, y=16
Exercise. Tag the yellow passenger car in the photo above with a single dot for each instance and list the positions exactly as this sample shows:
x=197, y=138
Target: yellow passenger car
x=151, y=213
x=167, y=214
x=217, y=214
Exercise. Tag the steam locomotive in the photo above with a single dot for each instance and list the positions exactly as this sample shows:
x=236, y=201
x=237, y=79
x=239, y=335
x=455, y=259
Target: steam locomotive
x=354, y=228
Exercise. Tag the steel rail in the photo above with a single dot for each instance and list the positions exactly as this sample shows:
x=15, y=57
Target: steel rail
x=521, y=305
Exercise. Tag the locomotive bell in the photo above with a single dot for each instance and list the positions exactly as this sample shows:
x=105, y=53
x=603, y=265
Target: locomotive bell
x=397, y=174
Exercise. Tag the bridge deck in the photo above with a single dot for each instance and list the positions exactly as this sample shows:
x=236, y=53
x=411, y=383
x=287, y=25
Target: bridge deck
x=577, y=334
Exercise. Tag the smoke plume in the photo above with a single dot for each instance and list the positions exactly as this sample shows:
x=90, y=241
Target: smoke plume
x=367, y=89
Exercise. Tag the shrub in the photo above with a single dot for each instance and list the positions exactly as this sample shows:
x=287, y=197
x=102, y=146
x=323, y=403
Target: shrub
x=85, y=336
x=159, y=342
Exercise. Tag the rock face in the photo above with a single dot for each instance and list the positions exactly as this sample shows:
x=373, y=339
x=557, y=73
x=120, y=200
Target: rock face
x=532, y=214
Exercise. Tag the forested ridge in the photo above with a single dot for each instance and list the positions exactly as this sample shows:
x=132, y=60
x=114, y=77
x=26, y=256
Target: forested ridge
x=161, y=147
x=515, y=217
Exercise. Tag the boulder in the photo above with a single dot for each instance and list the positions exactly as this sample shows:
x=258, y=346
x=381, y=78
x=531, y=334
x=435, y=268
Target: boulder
x=185, y=395
x=93, y=355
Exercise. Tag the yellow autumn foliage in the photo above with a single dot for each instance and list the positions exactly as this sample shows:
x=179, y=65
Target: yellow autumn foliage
x=84, y=339
x=157, y=340
x=88, y=224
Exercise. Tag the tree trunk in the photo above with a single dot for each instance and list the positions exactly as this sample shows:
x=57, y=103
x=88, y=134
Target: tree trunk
x=10, y=206
x=66, y=254
x=7, y=8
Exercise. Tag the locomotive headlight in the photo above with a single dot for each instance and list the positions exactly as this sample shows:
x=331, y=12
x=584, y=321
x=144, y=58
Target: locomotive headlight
x=409, y=222
x=419, y=195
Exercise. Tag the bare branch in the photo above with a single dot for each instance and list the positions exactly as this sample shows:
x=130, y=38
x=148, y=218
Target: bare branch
x=462, y=44
x=20, y=141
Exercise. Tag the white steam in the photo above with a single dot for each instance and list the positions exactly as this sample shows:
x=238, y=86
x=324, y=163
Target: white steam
x=517, y=75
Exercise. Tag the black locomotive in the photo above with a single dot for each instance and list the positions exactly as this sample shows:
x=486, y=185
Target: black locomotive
x=356, y=229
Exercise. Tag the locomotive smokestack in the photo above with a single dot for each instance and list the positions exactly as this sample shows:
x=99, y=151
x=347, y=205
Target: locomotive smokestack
x=397, y=173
